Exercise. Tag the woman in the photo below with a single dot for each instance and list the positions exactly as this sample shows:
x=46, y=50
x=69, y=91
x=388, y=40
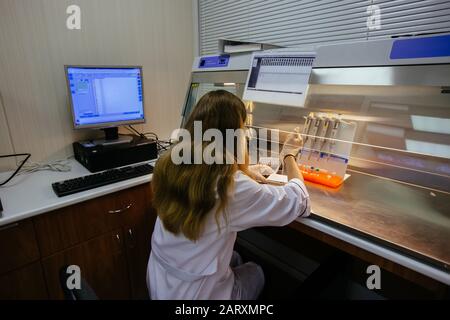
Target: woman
x=201, y=208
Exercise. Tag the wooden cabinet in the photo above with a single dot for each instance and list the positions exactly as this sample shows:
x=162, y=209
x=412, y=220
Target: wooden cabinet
x=68, y=226
x=102, y=264
x=138, y=229
x=18, y=245
x=21, y=274
x=25, y=283
x=107, y=237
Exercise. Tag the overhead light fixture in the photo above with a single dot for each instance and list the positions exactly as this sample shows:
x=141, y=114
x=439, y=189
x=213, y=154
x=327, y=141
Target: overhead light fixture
x=224, y=84
x=431, y=148
x=431, y=124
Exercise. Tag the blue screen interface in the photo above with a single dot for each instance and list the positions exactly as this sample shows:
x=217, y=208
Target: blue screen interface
x=430, y=47
x=105, y=95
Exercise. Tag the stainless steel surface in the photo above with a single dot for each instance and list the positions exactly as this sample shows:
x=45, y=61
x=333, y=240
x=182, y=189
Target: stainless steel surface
x=398, y=194
x=424, y=75
x=411, y=219
x=374, y=53
x=220, y=77
x=399, y=190
x=403, y=131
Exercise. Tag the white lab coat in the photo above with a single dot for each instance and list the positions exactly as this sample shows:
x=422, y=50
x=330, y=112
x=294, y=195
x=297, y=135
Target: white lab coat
x=181, y=269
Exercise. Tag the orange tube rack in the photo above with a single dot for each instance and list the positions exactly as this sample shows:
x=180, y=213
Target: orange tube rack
x=321, y=176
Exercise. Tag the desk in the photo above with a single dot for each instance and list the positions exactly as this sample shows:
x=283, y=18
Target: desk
x=401, y=223
x=32, y=194
x=40, y=233
x=334, y=217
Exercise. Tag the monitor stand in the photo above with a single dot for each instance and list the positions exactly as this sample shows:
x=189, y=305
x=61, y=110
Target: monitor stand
x=112, y=138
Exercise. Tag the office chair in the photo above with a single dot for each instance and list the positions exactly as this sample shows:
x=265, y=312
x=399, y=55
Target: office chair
x=84, y=293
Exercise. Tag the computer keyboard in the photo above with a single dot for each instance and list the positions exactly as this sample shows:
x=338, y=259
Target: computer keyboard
x=66, y=187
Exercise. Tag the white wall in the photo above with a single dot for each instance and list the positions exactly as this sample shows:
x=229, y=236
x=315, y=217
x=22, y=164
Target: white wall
x=5, y=141
x=35, y=45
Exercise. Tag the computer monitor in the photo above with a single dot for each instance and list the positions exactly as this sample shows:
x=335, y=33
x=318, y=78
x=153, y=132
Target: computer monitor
x=105, y=97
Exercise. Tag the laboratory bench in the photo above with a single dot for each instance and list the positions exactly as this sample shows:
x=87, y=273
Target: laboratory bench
x=107, y=231
x=361, y=112
x=400, y=222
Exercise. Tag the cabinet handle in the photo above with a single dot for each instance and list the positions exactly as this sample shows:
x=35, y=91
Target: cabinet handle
x=118, y=237
x=9, y=226
x=131, y=237
x=120, y=210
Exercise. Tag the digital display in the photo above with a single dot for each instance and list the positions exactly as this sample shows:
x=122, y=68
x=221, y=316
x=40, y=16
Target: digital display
x=214, y=62
x=431, y=47
x=105, y=95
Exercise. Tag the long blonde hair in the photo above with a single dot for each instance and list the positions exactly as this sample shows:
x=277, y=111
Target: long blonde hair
x=184, y=194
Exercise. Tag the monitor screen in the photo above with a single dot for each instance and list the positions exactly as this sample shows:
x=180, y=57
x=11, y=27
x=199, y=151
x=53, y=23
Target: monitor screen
x=105, y=96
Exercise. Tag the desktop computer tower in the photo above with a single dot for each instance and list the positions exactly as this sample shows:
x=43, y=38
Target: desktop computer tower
x=102, y=157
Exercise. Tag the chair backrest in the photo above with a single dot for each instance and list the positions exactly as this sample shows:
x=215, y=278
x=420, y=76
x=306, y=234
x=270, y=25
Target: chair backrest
x=84, y=293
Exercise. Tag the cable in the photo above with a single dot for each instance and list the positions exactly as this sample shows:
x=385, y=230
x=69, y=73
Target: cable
x=27, y=156
x=142, y=135
x=152, y=133
x=58, y=166
x=133, y=130
x=162, y=145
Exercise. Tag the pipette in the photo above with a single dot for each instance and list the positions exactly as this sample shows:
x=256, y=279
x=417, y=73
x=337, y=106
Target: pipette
x=334, y=131
x=322, y=135
x=314, y=134
x=306, y=127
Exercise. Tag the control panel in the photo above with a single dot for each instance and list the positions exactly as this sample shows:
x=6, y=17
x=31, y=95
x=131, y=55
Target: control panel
x=214, y=61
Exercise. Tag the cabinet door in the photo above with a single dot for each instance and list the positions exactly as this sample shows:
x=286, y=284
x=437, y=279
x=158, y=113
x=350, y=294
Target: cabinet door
x=138, y=222
x=26, y=283
x=72, y=225
x=102, y=264
x=18, y=245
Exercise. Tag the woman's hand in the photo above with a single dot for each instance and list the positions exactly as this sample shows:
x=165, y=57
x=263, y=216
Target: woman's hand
x=292, y=145
x=258, y=171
